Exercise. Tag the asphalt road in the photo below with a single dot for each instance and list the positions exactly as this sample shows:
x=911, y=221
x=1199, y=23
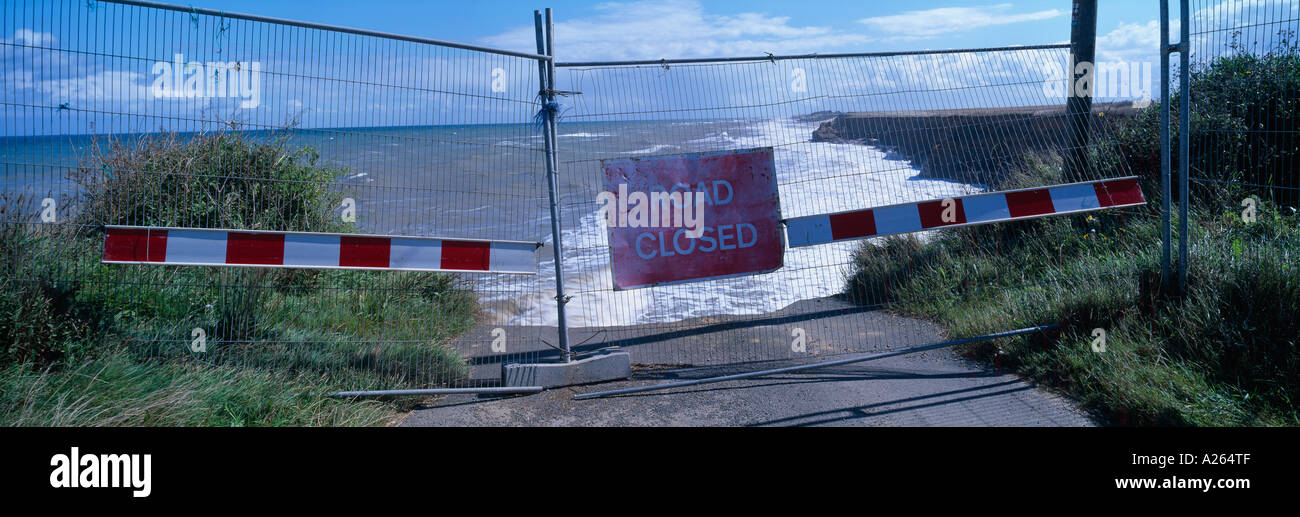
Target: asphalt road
x=933, y=388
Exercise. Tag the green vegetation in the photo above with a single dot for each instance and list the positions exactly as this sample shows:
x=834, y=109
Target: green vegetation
x=1223, y=353
x=85, y=343
x=115, y=388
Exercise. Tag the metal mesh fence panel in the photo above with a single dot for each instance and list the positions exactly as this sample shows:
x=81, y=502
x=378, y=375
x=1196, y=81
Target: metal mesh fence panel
x=1243, y=93
x=135, y=114
x=848, y=133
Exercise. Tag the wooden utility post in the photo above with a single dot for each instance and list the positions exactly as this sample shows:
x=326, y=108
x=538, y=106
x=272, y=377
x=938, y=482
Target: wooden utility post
x=1078, y=106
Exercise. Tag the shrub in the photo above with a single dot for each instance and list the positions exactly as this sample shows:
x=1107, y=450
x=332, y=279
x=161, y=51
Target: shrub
x=207, y=180
x=39, y=323
x=360, y=329
x=1245, y=112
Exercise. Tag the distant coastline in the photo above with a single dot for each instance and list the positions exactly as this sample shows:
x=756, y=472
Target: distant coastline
x=968, y=145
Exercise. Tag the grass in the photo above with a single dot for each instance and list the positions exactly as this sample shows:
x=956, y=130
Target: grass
x=113, y=388
x=1224, y=353
x=86, y=343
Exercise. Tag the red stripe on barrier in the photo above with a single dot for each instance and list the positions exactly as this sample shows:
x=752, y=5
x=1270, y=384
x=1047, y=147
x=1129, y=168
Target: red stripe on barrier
x=1119, y=192
x=853, y=224
x=468, y=256
x=255, y=248
x=125, y=245
x=932, y=213
x=1030, y=203
x=157, y=246
x=131, y=245
x=363, y=251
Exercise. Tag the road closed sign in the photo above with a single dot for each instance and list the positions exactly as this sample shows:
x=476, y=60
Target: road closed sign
x=691, y=217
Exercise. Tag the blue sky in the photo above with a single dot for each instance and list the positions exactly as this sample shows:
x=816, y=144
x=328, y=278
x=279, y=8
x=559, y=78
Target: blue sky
x=833, y=26
x=91, y=63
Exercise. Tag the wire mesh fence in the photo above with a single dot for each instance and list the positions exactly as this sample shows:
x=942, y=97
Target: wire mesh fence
x=128, y=113
x=1244, y=74
x=848, y=133
x=137, y=114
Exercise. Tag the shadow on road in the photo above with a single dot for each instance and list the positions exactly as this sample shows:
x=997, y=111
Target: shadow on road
x=857, y=412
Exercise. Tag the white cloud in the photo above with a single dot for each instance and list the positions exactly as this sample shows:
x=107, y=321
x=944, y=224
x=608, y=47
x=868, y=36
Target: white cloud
x=676, y=29
x=31, y=38
x=18, y=79
x=1244, y=26
x=1240, y=12
x=944, y=20
x=100, y=86
x=1132, y=42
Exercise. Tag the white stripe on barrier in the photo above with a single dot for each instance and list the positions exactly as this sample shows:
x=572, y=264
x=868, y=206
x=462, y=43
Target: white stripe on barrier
x=415, y=254
x=1074, y=198
x=896, y=219
x=511, y=257
x=984, y=209
x=311, y=250
x=195, y=247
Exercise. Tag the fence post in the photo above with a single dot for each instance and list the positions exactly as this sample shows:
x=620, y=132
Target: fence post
x=1184, y=139
x=1165, y=233
x=546, y=76
x=1078, y=105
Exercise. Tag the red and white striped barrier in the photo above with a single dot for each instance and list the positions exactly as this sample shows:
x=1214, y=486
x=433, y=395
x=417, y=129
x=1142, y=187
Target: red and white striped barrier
x=202, y=247
x=963, y=211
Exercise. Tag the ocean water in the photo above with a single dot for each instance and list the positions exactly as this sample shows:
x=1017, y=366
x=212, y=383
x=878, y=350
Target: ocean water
x=813, y=178
x=488, y=181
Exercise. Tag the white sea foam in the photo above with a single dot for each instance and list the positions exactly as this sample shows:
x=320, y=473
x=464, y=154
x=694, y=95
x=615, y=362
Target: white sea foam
x=651, y=150
x=586, y=135
x=514, y=143
x=813, y=178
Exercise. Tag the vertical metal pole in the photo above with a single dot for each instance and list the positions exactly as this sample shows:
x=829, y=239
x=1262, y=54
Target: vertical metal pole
x=1184, y=139
x=546, y=74
x=1165, y=234
x=1078, y=108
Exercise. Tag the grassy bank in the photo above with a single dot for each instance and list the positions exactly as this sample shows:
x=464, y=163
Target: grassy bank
x=114, y=388
x=85, y=343
x=1225, y=353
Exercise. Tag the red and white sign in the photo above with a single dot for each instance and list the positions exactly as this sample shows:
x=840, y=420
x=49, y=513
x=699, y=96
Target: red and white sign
x=204, y=247
x=739, y=233
x=964, y=211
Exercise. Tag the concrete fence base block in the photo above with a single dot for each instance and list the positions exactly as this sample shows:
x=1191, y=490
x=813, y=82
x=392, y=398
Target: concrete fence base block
x=604, y=367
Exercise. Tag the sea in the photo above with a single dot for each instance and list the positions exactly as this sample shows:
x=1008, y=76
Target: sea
x=489, y=182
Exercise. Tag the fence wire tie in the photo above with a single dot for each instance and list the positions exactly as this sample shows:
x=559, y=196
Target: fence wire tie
x=561, y=350
x=223, y=27
x=550, y=109
x=564, y=93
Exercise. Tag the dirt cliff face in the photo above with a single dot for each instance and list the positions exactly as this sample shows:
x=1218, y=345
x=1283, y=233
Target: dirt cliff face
x=973, y=145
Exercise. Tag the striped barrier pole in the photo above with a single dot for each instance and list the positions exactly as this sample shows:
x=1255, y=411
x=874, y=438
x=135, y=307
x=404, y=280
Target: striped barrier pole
x=964, y=211
x=248, y=248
